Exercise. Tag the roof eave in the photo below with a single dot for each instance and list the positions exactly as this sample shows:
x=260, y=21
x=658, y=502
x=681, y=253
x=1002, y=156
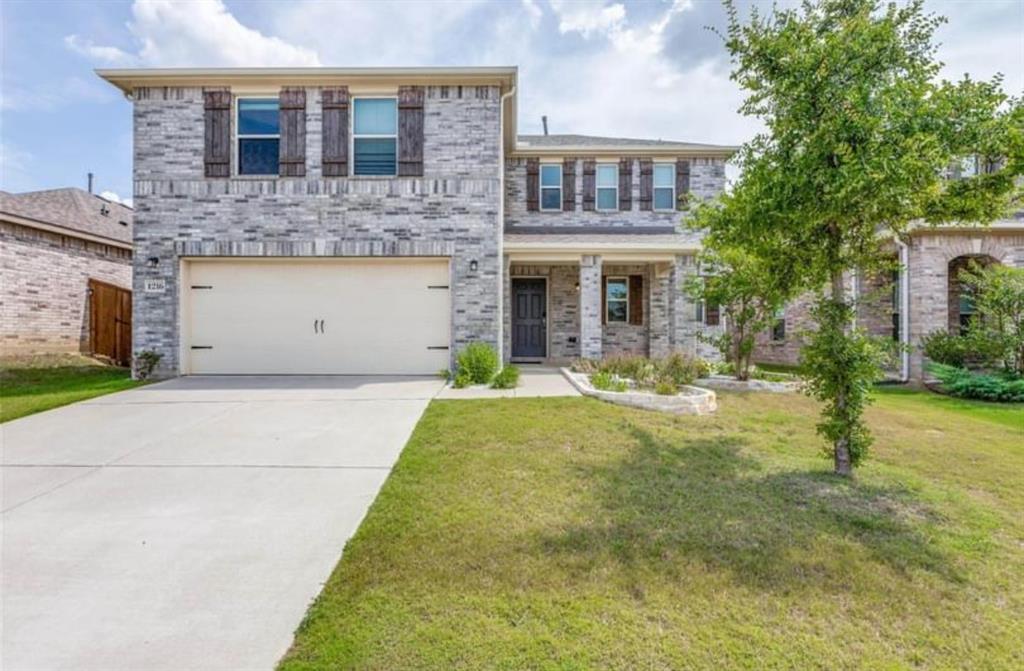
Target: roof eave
x=522, y=151
x=129, y=79
x=29, y=222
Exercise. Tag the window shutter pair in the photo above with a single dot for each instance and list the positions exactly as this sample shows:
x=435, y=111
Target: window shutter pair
x=334, y=105
x=569, y=185
x=625, y=184
x=533, y=184
x=589, y=184
x=292, y=147
x=410, y=131
x=636, y=300
x=217, y=133
x=646, y=184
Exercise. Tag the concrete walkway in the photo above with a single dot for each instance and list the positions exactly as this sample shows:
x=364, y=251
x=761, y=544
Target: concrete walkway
x=188, y=524
x=534, y=381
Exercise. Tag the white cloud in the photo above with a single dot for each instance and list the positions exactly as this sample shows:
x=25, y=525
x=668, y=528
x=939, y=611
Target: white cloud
x=534, y=12
x=586, y=18
x=96, y=53
x=15, y=167
x=114, y=198
x=197, y=33
x=46, y=95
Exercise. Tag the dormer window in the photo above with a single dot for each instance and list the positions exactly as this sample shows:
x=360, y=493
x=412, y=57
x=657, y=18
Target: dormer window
x=551, y=187
x=259, y=136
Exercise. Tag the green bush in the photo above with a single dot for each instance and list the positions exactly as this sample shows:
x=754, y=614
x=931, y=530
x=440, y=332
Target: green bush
x=507, y=378
x=605, y=381
x=479, y=361
x=1004, y=387
x=462, y=380
x=641, y=370
x=666, y=387
x=146, y=362
x=682, y=369
x=946, y=349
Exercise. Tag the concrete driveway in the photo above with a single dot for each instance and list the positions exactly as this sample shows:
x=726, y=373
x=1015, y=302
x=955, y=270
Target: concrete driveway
x=188, y=524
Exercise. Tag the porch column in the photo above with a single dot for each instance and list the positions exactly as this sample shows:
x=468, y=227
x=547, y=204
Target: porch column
x=590, y=307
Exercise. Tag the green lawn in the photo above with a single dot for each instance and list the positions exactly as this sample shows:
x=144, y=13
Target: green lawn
x=573, y=534
x=32, y=385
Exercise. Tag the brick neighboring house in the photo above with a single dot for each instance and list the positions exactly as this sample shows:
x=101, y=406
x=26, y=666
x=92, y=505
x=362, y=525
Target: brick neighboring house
x=922, y=297
x=376, y=220
x=51, y=244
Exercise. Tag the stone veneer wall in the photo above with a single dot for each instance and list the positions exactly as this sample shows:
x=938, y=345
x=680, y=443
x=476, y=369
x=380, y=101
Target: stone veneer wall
x=44, y=279
x=707, y=179
x=619, y=338
x=451, y=211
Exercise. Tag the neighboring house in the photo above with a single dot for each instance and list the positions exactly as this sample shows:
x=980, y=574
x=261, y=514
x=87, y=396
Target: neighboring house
x=376, y=220
x=54, y=246
x=924, y=296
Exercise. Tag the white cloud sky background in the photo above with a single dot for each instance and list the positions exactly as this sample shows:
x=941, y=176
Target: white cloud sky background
x=635, y=69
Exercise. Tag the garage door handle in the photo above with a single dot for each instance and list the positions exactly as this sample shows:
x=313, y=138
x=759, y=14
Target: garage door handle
x=321, y=326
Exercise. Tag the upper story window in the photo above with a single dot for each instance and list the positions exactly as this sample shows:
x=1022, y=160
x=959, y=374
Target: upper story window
x=551, y=187
x=778, y=329
x=616, y=299
x=608, y=187
x=664, y=186
x=375, y=136
x=259, y=136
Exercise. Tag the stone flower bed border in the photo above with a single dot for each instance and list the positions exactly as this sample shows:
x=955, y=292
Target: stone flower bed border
x=690, y=401
x=730, y=383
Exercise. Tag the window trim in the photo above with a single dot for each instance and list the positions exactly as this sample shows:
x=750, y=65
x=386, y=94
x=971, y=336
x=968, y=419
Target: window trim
x=540, y=190
x=655, y=187
x=608, y=300
x=236, y=169
x=352, y=136
x=598, y=188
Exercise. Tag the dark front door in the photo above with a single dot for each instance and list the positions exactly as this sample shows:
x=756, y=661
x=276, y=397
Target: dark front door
x=529, y=318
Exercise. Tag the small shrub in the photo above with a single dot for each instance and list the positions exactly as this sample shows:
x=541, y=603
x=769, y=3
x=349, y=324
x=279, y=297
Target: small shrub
x=479, y=361
x=605, y=381
x=666, y=387
x=507, y=378
x=641, y=370
x=146, y=362
x=682, y=369
x=445, y=374
x=462, y=380
x=586, y=366
x=963, y=383
x=946, y=349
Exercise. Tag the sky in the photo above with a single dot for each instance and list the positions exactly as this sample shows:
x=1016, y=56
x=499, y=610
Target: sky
x=647, y=69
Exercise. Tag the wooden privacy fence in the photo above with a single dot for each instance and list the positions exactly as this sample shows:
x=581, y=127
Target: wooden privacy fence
x=110, y=321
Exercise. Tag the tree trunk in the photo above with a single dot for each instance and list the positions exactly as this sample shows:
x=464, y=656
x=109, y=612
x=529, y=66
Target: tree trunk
x=740, y=369
x=841, y=447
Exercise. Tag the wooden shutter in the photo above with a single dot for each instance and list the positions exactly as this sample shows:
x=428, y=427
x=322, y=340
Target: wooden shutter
x=604, y=300
x=625, y=184
x=334, y=105
x=292, y=152
x=589, y=183
x=646, y=184
x=682, y=180
x=533, y=184
x=569, y=184
x=410, y=131
x=217, y=136
x=636, y=299
x=711, y=315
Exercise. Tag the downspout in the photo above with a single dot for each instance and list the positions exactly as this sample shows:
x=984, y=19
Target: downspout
x=501, y=222
x=904, y=279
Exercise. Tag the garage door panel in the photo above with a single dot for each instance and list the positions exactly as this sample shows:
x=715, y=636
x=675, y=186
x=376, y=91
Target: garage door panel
x=328, y=317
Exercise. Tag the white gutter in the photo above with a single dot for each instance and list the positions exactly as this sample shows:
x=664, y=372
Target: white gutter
x=501, y=222
x=904, y=279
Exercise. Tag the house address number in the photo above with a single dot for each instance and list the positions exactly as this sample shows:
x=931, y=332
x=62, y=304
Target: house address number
x=154, y=286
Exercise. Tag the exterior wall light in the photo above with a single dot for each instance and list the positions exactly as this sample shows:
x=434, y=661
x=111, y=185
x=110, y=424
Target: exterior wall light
x=473, y=266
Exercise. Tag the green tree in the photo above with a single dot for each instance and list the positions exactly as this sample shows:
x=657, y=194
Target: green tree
x=859, y=132
x=748, y=293
x=997, y=327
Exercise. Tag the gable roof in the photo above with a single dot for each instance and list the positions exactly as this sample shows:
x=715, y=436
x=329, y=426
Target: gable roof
x=595, y=144
x=72, y=212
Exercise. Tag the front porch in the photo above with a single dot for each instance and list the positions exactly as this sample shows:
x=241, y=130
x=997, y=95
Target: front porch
x=562, y=305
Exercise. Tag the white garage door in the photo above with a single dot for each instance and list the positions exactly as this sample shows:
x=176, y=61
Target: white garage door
x=350, y=316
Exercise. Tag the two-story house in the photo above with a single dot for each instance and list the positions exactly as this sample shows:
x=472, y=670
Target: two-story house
x=376, y=220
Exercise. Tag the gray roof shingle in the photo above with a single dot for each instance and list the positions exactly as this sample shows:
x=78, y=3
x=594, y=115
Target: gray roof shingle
x=554, y=141
x=73, y=209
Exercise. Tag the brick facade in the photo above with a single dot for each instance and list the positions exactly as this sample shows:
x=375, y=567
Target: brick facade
x=44, y=280
x=453, y=210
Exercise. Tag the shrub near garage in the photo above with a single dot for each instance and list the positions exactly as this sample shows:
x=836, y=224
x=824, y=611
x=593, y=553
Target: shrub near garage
x=477, y=363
